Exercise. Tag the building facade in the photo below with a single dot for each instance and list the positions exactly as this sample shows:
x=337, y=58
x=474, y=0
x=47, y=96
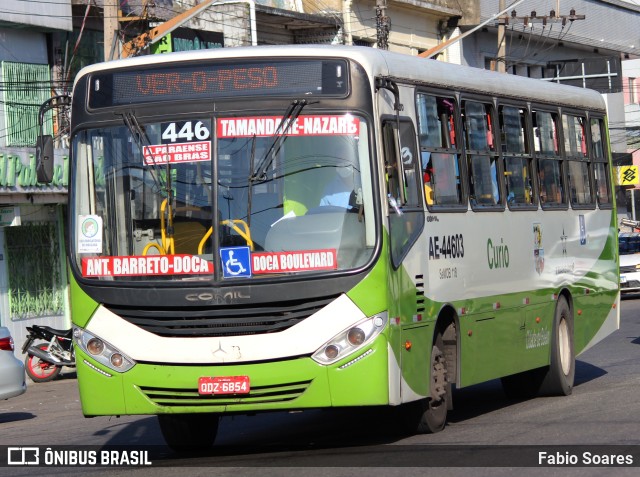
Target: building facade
x=33, y=281
x=631, y=92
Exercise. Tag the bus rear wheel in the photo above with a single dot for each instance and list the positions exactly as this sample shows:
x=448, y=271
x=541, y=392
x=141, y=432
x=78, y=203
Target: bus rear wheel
x=189, y=432
x=562, y=367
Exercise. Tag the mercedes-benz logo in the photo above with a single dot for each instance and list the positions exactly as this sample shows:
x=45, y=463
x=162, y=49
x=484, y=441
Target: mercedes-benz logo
x=219, y=351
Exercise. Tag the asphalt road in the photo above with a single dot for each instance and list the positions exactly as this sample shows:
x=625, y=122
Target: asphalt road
x=604, y=410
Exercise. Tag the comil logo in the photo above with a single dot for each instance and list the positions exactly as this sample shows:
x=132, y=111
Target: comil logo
x=23, y=456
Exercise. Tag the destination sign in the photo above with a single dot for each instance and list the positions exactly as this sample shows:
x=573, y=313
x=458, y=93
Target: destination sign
x=183, y=81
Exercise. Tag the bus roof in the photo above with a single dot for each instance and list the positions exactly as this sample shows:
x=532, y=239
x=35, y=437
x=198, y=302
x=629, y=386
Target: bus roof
x=400, y=67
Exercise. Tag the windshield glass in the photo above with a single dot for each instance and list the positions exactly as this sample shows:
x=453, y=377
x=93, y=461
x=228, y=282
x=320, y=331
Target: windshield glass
x=226, y=197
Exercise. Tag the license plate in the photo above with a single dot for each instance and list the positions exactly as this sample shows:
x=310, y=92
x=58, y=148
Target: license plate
x=623, y=279
x=223, y=385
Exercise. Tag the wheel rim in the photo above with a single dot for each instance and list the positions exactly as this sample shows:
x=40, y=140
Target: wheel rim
x=40, y=368
x=438, y=379
x=564, y=347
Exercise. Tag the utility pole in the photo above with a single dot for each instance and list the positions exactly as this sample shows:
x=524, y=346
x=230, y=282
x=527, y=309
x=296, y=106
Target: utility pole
x=383, y=25
x=501, y=66
x=346, y=22
x=432, y=52
x=553, y=17
x=110, y=27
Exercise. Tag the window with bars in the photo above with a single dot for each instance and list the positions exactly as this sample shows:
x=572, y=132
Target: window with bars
x=26, y=87
x=34, y=270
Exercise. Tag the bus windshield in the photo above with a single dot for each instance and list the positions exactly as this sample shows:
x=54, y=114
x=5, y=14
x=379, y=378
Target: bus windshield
x=226, y=197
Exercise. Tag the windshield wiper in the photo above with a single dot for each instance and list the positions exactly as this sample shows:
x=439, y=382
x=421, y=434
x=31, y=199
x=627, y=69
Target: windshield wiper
x=280, y=135
x=142, y=141
x=138, y=134
x=251, y=168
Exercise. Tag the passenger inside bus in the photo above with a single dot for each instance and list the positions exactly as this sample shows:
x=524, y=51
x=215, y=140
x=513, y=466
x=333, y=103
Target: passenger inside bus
x=550, y=186
x=427, y=176
x=445, y=179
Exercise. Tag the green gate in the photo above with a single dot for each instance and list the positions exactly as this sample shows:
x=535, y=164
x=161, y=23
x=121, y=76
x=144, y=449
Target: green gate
x=34, y=271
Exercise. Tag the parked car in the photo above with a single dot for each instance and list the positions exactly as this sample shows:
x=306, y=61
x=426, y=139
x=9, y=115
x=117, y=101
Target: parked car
x=629, y=244
x=12, y=377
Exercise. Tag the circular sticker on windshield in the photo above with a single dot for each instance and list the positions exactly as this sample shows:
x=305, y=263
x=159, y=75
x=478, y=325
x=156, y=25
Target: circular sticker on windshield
x=90, y=227
x=89, y=235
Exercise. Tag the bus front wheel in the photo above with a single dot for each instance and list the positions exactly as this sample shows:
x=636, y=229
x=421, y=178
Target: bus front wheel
x=189, y=432
x=434, y=412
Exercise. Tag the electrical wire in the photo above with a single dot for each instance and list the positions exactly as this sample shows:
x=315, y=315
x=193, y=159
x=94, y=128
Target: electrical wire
x=536, y=53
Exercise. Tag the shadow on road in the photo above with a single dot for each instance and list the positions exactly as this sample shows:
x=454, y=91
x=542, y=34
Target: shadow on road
x=275, y=437
x=484, y=398
x=15, y=416
x=586, y=372
x=298, y=432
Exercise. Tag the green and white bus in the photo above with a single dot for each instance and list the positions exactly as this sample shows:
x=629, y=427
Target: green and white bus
x=299, y=227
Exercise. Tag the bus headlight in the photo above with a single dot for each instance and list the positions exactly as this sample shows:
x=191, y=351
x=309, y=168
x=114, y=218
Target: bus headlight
x=351, y=340
x=101, y=351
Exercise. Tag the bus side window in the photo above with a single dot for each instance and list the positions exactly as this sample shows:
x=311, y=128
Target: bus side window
x=578, y=166
x=550, y=164
x=517, y=156
x=600, y=163
x=482, y=156
x=446, y=179
x=546, y=136
x=439, y=150
x=549, y=176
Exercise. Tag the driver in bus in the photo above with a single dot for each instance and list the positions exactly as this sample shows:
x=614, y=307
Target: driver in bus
x=338, y=191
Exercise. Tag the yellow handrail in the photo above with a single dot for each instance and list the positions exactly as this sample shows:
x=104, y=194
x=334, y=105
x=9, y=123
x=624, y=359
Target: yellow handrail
x=204, y=240
x=245, y=234
x=154, y=245
x=168, y=244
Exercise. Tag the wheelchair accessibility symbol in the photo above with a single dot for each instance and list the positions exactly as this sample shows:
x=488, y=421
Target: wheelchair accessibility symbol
x=236, y=262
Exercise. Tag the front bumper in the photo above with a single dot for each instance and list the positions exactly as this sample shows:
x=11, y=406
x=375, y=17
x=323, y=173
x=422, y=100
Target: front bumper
x=300, y=383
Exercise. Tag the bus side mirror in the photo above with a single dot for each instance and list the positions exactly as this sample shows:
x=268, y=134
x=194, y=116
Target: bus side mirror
x=44, y=159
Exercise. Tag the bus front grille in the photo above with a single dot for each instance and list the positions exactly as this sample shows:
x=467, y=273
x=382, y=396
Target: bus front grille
x=227, y=320
x=257, y=395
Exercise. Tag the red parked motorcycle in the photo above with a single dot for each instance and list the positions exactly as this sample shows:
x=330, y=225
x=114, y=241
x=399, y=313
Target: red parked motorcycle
x=45, y=359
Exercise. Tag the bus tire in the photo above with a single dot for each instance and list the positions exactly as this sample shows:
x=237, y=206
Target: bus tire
x=189, y=432
x=562, y=365
x=434, y=415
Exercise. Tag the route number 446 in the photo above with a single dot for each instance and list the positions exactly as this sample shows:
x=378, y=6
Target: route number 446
x=185, y=131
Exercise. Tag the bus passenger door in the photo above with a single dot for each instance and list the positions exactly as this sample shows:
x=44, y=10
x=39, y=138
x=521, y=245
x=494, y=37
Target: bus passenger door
x=410, y=337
